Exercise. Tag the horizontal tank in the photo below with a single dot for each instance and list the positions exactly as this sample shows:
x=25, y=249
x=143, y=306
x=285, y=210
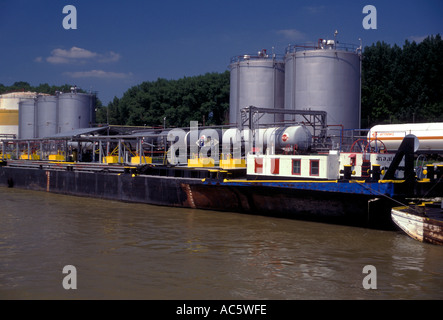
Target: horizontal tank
x=75, y=111
x=46, y=116
x=324, y=77
x=256, y=80
x=284, y=138
x=268, y=140
x=26, y=126
x=430, y=135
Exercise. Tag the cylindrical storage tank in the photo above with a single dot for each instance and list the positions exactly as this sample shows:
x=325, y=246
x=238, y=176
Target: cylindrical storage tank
x=256, y=80
x=298, y=137
x=278, y=138
x=325, y=77
x=75, y=111
x=46, y=116
x=9, y=111
x=8, y=122
x=26, y=119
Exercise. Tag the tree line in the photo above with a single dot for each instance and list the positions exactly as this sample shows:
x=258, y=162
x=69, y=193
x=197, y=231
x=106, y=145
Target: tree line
x=22, y=86
x=402, y=84
x=399, y=85
x=203, y=98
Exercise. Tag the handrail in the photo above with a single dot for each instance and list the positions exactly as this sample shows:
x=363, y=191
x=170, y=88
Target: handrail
x=261, y=55
x=321, y=45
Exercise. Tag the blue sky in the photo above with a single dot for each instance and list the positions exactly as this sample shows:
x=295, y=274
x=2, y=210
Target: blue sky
x=119, y=44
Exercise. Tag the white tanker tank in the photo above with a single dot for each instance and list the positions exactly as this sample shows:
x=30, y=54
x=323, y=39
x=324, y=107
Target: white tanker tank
x=270, y=140
x=430, y=135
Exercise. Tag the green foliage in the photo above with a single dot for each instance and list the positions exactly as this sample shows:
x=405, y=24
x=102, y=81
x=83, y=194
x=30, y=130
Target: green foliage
x=401, y=85
x=41, y=88
x=203, y=98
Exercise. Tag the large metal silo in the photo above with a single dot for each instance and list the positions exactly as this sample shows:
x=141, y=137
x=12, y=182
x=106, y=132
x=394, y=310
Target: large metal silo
x=26, y=119
x=256, y=80
x=9, y=111
x=46, y=116
x=324, y=77
x=76, y=110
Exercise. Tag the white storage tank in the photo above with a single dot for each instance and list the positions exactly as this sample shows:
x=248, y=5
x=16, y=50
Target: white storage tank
x=75, y=111
x=324, y=77
x=26, y=115
x=9, y=111
x=293, y=138
x=256, y=80
x=46, y=116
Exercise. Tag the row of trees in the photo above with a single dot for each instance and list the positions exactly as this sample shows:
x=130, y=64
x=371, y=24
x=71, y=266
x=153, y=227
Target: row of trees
x=202, y=98
x=399, y=84
x=25, y=86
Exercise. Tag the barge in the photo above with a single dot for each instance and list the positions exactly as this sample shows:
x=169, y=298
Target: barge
x=319, y=186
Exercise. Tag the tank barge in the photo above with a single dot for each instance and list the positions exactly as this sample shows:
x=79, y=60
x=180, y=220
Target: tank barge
x=320, y=186
x=284, y=160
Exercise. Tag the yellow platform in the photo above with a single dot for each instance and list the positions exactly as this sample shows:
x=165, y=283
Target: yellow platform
x=56, y=157
x=201, y=162
x=30, y=157
x=112, y=159
x=140, y=160
x=232, y=163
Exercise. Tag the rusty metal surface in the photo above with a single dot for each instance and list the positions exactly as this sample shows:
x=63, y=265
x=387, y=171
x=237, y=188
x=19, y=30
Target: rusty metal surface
x=424, y=224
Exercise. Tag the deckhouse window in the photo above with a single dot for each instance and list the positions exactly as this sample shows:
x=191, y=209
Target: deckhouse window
x=258, y=165
x=296, y=166
x=314, y=168
x=275, y=166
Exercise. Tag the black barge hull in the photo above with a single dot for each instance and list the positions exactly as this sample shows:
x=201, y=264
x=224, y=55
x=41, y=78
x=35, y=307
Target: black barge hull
x=175, y=190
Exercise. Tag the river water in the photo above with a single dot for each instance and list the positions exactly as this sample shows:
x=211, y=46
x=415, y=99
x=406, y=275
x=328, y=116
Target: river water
x=136, y=251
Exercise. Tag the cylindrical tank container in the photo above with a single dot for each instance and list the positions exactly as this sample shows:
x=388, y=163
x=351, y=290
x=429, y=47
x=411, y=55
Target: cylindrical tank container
x=430, y=135
x=75, y=111
x=256, y=80
x=278, y=138
x=324, y=77
x=26, y=119
x=46, y=116
x=9, y=111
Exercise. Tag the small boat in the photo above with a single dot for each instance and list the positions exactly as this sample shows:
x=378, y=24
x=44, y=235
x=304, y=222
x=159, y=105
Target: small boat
x=422, y=222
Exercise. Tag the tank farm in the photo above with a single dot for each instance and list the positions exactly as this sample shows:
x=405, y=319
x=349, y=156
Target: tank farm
x=294, y=146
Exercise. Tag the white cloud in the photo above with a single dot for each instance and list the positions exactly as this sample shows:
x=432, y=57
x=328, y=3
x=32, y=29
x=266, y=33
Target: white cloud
x=315, y=9
x=291, y=34
x=98, y=74
x=77, y=55
x=417, y=39
x=109, y=57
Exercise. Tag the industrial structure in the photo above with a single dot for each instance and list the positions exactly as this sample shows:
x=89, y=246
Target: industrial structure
x=324, y=77
x=286, y=151
x=257, y=80
x=32, y=115
x=9, y=111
